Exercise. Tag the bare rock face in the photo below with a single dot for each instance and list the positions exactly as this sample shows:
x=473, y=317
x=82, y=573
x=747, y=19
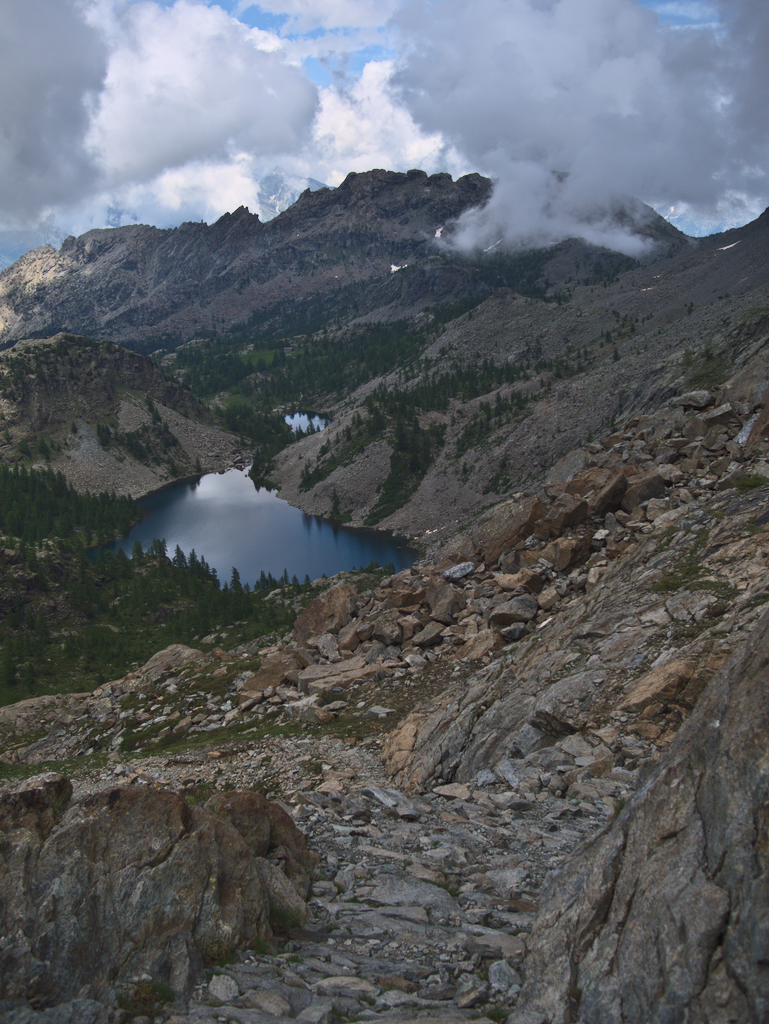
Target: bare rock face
x=175, y=284
x=134, y=881
x=505, y=526
x=665, y=917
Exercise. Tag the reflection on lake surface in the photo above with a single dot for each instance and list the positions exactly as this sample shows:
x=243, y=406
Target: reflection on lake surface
x=229, y=523
x=302, y=421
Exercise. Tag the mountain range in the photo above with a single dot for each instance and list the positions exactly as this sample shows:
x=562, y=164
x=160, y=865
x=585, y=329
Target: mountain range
x=150, y=288
x=276, y=191
x=502, y=361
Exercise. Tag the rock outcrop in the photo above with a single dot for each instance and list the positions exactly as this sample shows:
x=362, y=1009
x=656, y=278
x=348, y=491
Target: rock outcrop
x=664, y=918
x=134, y=881
x=109, y=419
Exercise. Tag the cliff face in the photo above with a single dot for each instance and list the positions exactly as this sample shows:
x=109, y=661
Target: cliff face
x=664, y=918
x=144, y=286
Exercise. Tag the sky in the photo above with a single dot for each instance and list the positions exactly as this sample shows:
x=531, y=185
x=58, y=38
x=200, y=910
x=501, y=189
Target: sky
x=161, y=111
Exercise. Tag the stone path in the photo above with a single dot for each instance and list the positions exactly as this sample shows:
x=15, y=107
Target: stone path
x=422, y=904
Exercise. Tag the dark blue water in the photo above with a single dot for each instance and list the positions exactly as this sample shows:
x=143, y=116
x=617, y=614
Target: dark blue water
x=229, y=523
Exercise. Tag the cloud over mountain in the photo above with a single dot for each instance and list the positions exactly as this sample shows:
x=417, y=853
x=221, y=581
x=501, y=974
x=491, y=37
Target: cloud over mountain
x=567, y=102
x=171, y=110
x=52, y=69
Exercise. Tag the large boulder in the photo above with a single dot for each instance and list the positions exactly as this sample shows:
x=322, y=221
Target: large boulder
x=564, y=512
x=276, y=670
x=609, y=497
x=444, y=601
x=505, y=526
x=664, y=917
x=327, y=613
x=760, y=429
x=316, y=678
x=134, y=881
x=641, y=488
x=518, y=609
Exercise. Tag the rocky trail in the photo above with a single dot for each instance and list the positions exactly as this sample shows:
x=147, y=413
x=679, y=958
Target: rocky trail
x=455, y=744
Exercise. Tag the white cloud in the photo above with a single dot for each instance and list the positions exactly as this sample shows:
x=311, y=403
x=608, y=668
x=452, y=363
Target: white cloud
x=196, y=191
x=362, y=128
x=188, y=83
x=53, y=65
x=568, y=102
x=169, y=108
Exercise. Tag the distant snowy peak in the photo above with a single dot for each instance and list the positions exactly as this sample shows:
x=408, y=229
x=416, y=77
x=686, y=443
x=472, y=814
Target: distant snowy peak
x=279, y=190
x=698, y=226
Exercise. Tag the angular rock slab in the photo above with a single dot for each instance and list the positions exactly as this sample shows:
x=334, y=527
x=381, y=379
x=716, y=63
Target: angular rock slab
x=665, y=916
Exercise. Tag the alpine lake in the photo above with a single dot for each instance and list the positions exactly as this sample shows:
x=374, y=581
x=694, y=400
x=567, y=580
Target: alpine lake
x=232, y=524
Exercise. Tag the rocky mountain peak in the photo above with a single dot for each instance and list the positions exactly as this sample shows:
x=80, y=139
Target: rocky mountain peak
x=150, y=288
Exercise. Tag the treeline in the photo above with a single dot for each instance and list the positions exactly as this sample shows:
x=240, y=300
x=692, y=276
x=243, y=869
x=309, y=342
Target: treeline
x=37, y=503
x=71, y=623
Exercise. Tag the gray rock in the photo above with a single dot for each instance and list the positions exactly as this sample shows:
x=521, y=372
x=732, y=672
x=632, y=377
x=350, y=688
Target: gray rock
x=445, y=602
x=515, y=632
x=458, y=572
x=267, y=1002
x=79, y=1011
x=502, y=976
x=565, y=706
x=665, y=916
x=507, y=880
x=398, y=892
x=511, y=772
x=693, y=399
x=387, y=628
x=470, y=992
x=345, y=986
x=431, y=635
x=414, y=660
x=121, y=886
x=319, y=1012
x=519, y=609
x=394, y=801
x=224, y=988
x=377, y=711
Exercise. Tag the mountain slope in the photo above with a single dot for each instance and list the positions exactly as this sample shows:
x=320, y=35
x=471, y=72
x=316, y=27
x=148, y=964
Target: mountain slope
x=516, y=382
x=331, y=256
x=105, y=417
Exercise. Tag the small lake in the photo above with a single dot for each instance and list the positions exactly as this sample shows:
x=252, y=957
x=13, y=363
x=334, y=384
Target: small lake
x=229, y=523
x=302, y=421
